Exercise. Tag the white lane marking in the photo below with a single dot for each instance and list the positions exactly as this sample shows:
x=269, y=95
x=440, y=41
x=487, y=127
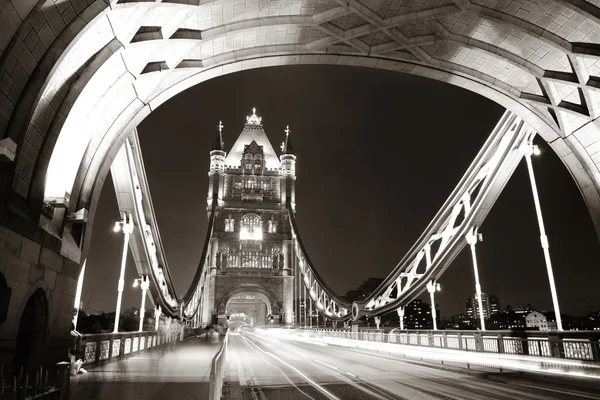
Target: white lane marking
x=313, y=383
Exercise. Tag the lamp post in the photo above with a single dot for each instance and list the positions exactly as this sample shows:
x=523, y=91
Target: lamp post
x=433, y=287
x=144, y=283
x=126, y=225
x=472, y=238
x=528, y=151
x=156, y=317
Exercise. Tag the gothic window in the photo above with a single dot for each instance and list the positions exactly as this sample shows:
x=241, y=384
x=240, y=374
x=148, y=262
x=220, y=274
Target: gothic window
x=229, y=224
x=238, y=184
x=250, y=183
x=248, y=161
x=257, y=162
x=251, y=228
x=272, y=226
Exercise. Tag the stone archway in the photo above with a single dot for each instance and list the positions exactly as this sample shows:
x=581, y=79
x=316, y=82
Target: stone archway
x=32, y=334
x=109, y=66
x=254, y=301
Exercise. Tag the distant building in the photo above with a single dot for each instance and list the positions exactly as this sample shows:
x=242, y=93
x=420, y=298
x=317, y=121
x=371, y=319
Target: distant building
x=490, y=303
x=417, y=315
x=538, y=320
x=520, y=309
x=506, y=320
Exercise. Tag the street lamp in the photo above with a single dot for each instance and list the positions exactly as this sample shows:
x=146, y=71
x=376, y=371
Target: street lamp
x=472, y=238
x=156, y=317
x=126, y=225
x=144, y=282
x=528, y=150
x=433, y=287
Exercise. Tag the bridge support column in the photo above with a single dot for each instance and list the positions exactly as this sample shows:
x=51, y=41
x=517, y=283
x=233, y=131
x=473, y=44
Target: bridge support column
x=127, y=227
x=472, y=238
x=529, y=150
x=145, y=284
x=400, y=311
x=432, y=287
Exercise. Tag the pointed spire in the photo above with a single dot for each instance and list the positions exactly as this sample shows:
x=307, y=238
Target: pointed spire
x=286, y=146
x=219, y=145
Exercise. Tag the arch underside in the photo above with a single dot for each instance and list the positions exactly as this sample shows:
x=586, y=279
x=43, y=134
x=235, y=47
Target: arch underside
x=105, y=69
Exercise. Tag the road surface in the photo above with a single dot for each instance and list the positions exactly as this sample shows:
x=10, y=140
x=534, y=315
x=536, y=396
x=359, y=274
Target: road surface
x=279, y=367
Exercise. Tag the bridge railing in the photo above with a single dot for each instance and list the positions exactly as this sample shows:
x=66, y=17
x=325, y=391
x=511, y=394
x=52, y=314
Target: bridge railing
x=217, y=370
x=106, y=347
x=572, y=345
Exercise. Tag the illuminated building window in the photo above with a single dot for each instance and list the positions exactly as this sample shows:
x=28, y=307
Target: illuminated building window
x=248, y=161
x=272, y=228
x=257, y=162
x=251, y=227
x=251, y=183
x=229, y=224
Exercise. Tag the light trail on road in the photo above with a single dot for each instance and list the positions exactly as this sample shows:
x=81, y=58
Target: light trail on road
x=278, y=368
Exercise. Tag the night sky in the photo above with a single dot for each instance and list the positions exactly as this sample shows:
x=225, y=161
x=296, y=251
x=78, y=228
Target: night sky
x=378, y=154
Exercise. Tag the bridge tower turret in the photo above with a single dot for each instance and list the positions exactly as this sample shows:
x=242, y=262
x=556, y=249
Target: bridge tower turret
x=288, y=170
x=216, y=173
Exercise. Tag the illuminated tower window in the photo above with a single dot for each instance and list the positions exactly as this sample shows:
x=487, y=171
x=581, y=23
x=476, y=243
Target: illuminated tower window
x=229, y=224
x=272, y=226
x=257, y=162
x=251, y=228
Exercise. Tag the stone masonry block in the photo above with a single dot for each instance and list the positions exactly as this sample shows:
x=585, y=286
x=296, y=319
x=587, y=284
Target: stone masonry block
x=46, y=35
x=14, y=94
x=51, y=260
x=71, y=269
x=6, y=83
x=53, y=17
x=6, y=106
x=30, y=251
x=71, y=287
x=19, y=75
x=39, y=51
x=17, y=269
x=79, y=5
x=68, y=15
x=37, y=19
x=9, y=63
x=31, y=40
x=9, y=23
x=36, y=272
x=50, y=278
x=10, y=241
x=61, y=284
x=3, y=261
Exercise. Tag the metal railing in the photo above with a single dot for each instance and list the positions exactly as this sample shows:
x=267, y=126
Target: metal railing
x=47, y=384
x=217, y=369
x=571, y=345
x=106, y=347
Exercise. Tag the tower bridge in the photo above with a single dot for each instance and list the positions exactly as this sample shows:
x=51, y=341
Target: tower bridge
x=77, y=77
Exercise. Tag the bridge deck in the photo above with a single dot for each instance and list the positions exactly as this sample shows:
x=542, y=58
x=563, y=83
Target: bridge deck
x=271, y=368
x=178, y=371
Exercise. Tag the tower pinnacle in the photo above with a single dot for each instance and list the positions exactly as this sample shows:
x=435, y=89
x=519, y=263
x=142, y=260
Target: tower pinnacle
x=253, y=119
x=219, y=145
x=286, y=146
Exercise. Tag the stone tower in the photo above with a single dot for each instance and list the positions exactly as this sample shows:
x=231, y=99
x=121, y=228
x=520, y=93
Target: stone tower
x=251, y=272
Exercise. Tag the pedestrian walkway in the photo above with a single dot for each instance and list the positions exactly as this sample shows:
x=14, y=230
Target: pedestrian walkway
x=176, y=372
